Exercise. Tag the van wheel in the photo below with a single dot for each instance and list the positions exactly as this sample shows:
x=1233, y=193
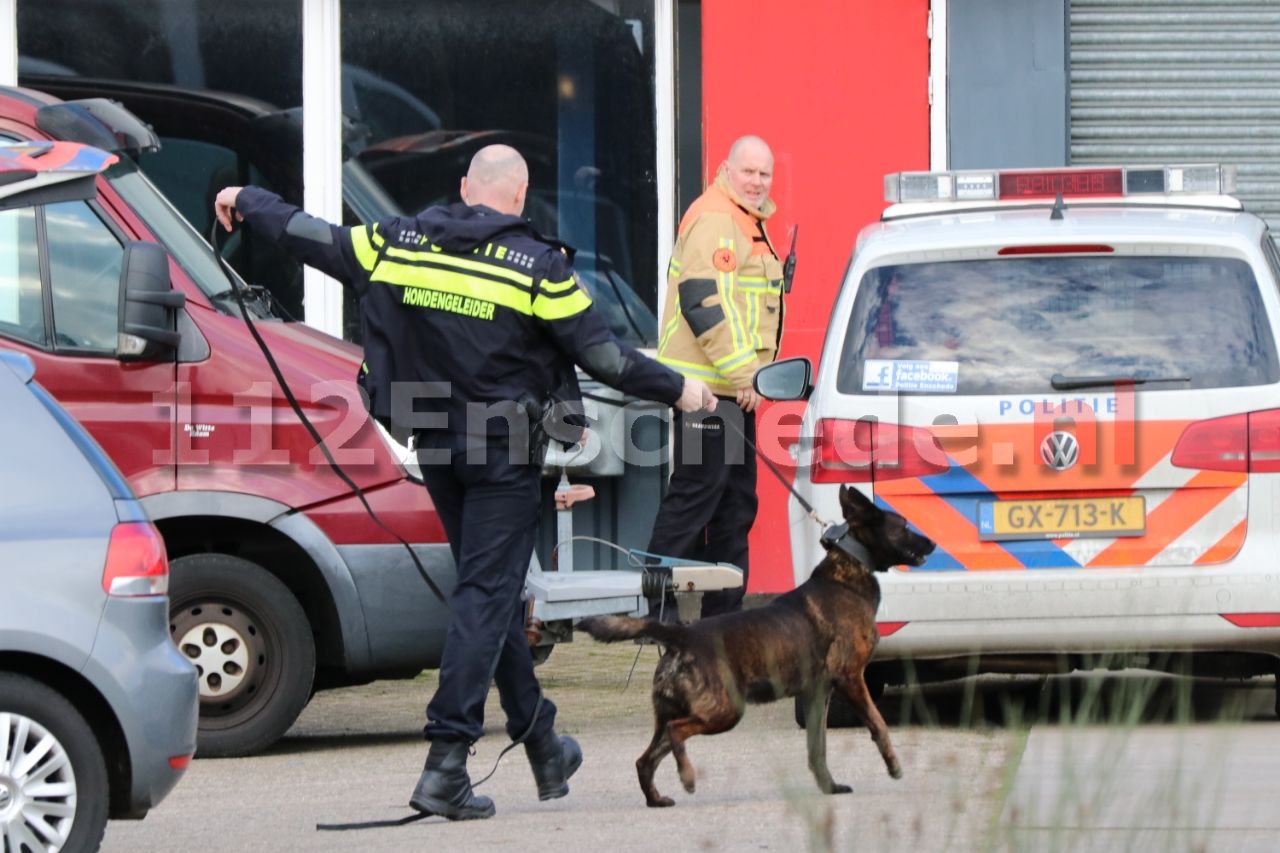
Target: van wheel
x=840, y=713
x=252, y=646
x=53, y=779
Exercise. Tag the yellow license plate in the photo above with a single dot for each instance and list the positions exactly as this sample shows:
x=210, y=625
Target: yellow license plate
x=1062, y=518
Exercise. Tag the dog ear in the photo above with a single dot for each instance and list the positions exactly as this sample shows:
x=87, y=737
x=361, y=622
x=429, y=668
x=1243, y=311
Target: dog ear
x=854, y=504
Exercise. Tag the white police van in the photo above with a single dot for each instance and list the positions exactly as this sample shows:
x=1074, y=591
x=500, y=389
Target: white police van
x=1069, y=380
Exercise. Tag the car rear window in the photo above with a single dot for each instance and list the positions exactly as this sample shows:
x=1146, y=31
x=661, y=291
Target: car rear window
x=1006, y=326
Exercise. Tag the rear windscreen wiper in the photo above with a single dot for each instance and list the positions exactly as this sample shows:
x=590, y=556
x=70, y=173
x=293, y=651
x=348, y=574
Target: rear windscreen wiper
x=1068, y=383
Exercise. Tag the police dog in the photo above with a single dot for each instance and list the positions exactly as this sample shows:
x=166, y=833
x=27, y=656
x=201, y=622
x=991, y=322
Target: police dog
x=804, y=643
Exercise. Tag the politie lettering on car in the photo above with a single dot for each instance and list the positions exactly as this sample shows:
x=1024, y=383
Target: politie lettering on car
x=1068, y=379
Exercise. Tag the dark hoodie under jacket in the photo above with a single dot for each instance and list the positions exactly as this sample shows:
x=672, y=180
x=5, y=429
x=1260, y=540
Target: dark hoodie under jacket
x=461, y=305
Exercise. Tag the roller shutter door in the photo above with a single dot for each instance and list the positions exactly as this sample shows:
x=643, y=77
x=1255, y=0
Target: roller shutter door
x=1180, y=81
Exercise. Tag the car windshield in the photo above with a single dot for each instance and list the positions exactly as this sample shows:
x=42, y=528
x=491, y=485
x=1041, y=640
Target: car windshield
x=190, y=250
x=1028, y=325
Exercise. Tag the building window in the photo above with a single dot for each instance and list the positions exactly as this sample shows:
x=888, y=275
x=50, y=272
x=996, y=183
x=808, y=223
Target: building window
x=569, y=83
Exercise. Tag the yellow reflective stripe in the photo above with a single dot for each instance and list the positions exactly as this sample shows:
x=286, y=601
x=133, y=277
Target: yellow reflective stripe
x=688, y=368
x=362, y=243
x=673, y=268
x=438, y=258
x=733, y=359
x=701, y=370
x=763, y=284
x=559, y=299
x=729, y=304
x=684, y=368
x=450, y=281
x=668, y=332
x=558, y=286
x=755, y=287
x=558, y=307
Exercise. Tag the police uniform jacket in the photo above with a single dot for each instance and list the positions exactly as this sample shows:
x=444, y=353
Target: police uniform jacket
x=723, y=314
x=469, y=305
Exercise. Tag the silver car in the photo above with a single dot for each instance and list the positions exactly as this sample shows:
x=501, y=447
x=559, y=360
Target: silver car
x=98, y=708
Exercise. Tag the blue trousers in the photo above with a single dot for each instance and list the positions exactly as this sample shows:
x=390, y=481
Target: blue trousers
x=489, y=506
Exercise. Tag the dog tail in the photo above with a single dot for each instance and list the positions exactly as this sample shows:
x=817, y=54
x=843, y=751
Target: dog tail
x=613, y=629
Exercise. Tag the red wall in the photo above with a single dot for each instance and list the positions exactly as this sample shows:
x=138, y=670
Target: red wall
x=839, y=90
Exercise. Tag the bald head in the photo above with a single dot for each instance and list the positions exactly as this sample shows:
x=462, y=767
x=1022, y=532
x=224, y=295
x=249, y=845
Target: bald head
x=749, y=169
x=748, y=145
x=498, y=178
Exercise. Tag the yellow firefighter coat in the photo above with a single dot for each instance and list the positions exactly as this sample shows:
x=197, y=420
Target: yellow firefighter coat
x=723, y=314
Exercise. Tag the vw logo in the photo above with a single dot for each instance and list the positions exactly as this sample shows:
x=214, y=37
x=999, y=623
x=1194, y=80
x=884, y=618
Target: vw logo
x=1060, y=450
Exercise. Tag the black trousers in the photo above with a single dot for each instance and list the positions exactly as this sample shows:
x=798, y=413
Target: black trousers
x=710, y=502
x=489, y=506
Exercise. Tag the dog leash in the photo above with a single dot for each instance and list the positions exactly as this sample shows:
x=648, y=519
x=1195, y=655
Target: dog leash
x=833, y=535
x=416, y=816
x=804, y=504
x=234, y=280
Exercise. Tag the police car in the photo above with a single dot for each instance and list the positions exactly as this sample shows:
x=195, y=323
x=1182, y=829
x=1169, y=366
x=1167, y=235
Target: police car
x=1069, y=380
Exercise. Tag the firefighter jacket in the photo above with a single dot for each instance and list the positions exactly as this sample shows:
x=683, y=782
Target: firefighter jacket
x=723, y=314
x=468, y=311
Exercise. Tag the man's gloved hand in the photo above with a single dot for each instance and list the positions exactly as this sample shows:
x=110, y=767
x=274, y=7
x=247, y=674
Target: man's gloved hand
x=695, y=396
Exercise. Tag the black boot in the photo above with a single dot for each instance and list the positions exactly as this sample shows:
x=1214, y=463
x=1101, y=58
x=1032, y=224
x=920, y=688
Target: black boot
x=554, y=759
x=445, y=788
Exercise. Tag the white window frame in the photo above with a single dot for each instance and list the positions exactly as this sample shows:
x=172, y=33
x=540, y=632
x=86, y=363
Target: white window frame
x=9, y=43
x=664, y=87
x=938, y=86
x=321, y=148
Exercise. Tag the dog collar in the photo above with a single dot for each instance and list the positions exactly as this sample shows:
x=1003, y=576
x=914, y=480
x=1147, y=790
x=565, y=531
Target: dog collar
x=838, y=536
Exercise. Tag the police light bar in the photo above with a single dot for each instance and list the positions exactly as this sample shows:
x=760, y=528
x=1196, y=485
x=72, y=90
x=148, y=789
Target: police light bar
x=1075, y=182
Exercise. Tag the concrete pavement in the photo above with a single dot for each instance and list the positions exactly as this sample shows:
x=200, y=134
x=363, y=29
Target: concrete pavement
x=754, y=793
x=1161, y=767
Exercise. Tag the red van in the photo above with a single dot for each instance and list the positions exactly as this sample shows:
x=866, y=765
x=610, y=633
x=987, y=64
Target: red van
x=283, y=583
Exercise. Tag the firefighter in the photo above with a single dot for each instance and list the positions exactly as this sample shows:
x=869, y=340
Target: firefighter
x=484, y=318
x=722, y=321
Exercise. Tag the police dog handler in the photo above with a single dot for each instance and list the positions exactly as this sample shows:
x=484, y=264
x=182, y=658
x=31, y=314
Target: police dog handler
x=471, y=299
x=722, y=322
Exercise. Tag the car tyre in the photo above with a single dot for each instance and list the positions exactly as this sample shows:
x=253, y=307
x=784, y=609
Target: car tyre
x=251, y=643
x=71, y=772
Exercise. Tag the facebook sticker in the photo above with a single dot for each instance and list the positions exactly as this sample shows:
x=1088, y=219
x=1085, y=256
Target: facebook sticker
x=938, y=377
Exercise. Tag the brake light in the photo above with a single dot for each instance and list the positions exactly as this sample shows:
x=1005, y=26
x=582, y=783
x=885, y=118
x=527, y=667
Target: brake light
x=1064, y=249
x=1247, y=442
x=1253, y=620
x=866, y=451
x=137, y=564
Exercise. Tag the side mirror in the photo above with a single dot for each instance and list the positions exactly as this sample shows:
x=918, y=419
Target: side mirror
x=789, y=379
x=148, y=321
